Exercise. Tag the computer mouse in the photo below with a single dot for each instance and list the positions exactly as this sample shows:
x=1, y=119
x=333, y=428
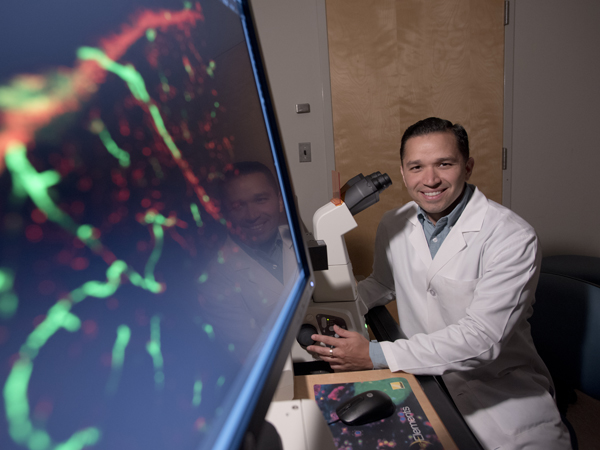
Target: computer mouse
x=365, y=408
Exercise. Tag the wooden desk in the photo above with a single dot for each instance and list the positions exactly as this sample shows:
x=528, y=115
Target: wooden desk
x=303, y=388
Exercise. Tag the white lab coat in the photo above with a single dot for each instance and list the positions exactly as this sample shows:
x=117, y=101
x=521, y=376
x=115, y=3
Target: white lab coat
x=240, y=297
x=464, y=315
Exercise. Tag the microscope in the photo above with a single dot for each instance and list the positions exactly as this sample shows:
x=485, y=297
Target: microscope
x=335, y=299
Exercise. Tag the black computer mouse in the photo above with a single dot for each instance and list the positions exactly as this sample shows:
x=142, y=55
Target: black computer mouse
x=365, y=408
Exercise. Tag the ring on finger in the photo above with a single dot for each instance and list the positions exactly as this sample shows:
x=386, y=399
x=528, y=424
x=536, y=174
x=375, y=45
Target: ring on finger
x=331, y=352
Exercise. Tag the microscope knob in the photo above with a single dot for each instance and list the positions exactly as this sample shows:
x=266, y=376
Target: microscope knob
x=305, y=333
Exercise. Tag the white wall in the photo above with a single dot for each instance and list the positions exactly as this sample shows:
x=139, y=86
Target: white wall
x=293, y=38
x=555, y=143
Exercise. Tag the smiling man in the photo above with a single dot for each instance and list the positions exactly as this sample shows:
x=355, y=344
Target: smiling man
x=243, y=284
x=463, y=270
x=252, y=203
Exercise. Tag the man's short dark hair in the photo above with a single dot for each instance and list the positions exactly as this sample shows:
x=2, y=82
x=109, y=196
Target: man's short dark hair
x=437, y=125
x=248, y=168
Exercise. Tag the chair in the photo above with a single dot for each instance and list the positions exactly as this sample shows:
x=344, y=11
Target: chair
x=566, y=325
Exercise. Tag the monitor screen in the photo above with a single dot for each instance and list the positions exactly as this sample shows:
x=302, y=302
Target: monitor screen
x=152, y=269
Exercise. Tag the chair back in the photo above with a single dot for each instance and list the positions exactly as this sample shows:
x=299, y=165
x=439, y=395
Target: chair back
x=566, y=322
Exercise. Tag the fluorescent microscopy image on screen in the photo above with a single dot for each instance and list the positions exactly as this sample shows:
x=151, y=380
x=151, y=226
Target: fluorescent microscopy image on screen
x=117, y=122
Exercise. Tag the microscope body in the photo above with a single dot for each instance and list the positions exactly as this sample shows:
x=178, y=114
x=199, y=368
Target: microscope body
x=335, y=299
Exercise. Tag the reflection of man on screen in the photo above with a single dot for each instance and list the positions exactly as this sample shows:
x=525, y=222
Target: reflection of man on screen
x=252, y=202
x=244, y=284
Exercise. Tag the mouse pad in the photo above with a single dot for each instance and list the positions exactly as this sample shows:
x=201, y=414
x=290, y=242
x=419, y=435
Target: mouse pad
x=407, y=428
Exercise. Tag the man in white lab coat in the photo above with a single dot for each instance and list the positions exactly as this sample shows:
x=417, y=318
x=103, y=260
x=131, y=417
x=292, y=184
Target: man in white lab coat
x=242, y=287
x=464, y=270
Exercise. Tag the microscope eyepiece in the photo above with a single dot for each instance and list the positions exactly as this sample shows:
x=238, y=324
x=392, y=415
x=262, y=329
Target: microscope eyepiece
x=380, y=181
x=361, y=192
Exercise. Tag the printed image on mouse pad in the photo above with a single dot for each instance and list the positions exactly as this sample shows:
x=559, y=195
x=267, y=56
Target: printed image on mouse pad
x=407, y=428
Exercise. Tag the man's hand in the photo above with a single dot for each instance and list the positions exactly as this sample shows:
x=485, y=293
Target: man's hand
x=350, y=351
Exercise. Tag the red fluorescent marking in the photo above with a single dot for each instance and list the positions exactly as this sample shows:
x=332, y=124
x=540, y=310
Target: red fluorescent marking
x=188, y=67
x=4, y=334
x=66, y=165
x=13, y=359
x=89, y=327
x=152, y=56
x=123, y=195
x=118, y=179
x=200, y=423
x=106, y=359
x=124, y=127
x=20, y=124
x=84, y=184
x=43, y=409
x=108, y=257
x=112, y=303
x=141, y=318
x=80, y=263
x=115, y=46
x=46, y=287
x=77, y=207
x=39, y=319
x=38, y=216
x=181, y=241
x=77, y=243
x=34, y=233
x=64, y=257
x=114, y=218
x=195, y=52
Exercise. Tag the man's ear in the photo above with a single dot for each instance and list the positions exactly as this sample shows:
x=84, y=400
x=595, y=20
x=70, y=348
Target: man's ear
x=402, y=172
x=469, y=168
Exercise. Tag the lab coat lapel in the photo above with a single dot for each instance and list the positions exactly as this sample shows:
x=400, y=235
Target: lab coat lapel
x=290, y=265
x=470, y=220
x=453, y=244
x=418, y=240
x=246, y=268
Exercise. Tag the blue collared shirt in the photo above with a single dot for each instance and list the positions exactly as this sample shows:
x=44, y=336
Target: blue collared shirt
x=435, y=235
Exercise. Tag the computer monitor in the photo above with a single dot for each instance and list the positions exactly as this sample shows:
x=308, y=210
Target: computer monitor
x=142, y=304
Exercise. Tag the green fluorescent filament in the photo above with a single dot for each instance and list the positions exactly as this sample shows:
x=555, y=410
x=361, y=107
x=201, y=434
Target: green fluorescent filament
x=118, y=357
x=196, y=214
x=136, y=85
x=98, y=127
x=153, y=347
x=197, y=393
x=9, y=302
x=28, y=182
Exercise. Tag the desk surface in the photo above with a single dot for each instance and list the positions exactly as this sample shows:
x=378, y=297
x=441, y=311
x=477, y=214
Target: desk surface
x=303, y=388
x=447, y=422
